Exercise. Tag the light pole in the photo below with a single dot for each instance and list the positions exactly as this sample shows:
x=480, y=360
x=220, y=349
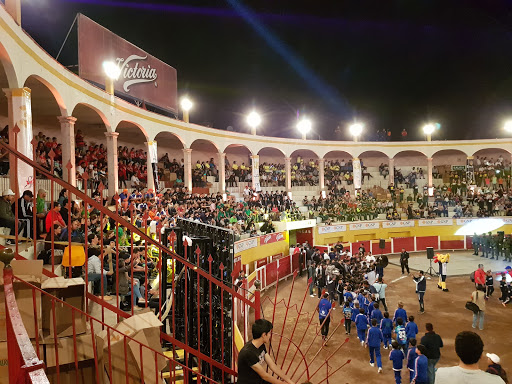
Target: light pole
x=428, y=129
x=355, y=130
x=304, y=126
x=254, y=121
x=112, y=72
x=186, y=106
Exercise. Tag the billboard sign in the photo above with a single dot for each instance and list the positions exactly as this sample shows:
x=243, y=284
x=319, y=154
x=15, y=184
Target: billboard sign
x=142, y=76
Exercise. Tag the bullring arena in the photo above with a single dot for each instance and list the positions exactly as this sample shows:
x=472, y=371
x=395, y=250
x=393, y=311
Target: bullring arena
x=129, y=275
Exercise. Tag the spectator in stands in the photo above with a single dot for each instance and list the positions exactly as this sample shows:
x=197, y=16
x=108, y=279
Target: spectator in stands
x=54, y=217
x=96, y=273
x=7, y=218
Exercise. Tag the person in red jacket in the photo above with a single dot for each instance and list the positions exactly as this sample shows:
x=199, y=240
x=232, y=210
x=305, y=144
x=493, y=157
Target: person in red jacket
x=480, y=276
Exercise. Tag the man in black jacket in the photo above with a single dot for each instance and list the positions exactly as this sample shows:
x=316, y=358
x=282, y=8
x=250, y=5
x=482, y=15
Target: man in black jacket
x=433, y=343
x=421, y=287
x=404, y=261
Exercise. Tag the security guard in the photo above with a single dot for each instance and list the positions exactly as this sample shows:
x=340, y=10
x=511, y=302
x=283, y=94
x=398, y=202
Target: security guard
x=476, y=244
x=507, y=247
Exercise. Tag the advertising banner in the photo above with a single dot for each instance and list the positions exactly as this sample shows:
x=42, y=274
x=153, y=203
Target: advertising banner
x=398, y=224
x=271, y=238
x=331, y=229
x=357, y=226
x=431, y=222
x=256, y=173
x=244, y=245
x=142, y=77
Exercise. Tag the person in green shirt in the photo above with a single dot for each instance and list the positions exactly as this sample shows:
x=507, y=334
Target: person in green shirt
x=41, y=202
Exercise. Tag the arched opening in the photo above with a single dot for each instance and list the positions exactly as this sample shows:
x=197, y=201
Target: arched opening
x=410, y=169
x=492, y=168
x=338, y=168
x=170, y=159
x=305, y=168
x=132, y=152
x=47, y=107
x=272, y=167
x=449, y=165
x=375, y=168
x=90, y=147
x=205, y=163
x=7, y=80
x=238, y=164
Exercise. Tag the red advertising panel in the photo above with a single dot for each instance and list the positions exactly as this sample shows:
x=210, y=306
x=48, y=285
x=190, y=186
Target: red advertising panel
x=423, y=242
x=271, y=276
x=469, y=242
x=271, y=238
x=142, y=76
x=261, y=262
x=284, y=267
x=295, y=262
x=452, y=244
x=403, y=242
x=303, y=235
x=377, y=251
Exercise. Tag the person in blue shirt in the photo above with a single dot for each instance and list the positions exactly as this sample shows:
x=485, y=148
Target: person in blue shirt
x=373, y=341
x=400, y=335
x=324, y=314
x=420, y=366
x=355, y=312
x=400, y=312
x=411, y=329
x=376, y=313
x=347, y=314
x=370, y=309
x=361, y=325
x=397, y=357
x=386, y=326
x=411, y=358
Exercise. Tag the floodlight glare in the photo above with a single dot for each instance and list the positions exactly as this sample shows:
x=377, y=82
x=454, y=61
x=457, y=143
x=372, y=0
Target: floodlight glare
x=304, y=126
x=508, y=126
x=356, y=129
x=111, y=69
x=186, y=104
x=480, y=226
x=429, y=129
x=253, y=119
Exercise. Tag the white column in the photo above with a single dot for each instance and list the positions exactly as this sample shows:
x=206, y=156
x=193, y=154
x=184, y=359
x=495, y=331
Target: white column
x=222, y=172
x=19, y=110
x=187, y=172
x=288, y=169
x=112, y=162
x=67, y=132
x=151, y=158
x=429, y=171
x=321, y=173
x=391, y=175
x=255, y=173
x=357, y=173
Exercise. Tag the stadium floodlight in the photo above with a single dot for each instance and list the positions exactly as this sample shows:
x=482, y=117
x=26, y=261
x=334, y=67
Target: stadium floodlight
x=304, y=126
x=112, y=72
x=186, y=105
x=254, y=121
x=428, y=129
x=355, y=130
x=508, y=126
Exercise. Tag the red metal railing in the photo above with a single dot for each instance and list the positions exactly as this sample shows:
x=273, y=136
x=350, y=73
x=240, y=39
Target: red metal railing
x=107, y=311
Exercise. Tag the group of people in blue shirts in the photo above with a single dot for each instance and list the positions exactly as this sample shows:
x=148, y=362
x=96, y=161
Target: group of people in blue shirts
x=376, y=329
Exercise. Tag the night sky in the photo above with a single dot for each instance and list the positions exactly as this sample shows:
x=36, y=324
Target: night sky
x=388, y=63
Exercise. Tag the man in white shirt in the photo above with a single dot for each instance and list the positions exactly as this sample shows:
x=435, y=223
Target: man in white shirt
x=469, y=347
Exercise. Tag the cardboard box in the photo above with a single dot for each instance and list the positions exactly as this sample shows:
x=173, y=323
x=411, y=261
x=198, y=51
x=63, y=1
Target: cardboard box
x=68, y=374
x=30, y=271
x=72, y=292
x=144, y=328
x=4, y=360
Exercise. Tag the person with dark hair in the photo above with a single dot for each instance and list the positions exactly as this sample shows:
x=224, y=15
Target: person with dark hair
x=469, y=348
x=421, y=287
x=433, y=343
x=324, y=315
x=420, y=366
x=411, y=358
x=373, y=341
x=254, y=353
x=478, y=297
x=397, y=357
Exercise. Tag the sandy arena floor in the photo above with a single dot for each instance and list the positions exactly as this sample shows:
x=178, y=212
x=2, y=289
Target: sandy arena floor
x=444, y=309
